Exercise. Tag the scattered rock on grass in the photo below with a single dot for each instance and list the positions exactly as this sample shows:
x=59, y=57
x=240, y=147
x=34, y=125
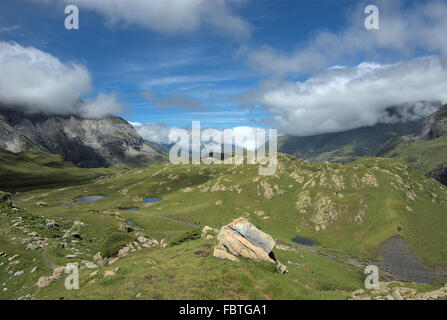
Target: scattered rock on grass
x=43, y=282
x=109, y=273
x=41, y=204
x=209, y=233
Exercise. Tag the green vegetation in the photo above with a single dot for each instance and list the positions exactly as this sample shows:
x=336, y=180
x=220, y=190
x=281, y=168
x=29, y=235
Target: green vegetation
x=427, y=150
x=38, y=170
x=350, y=209
x=360, y=205
x=189, y=271
x=191, y=235
x=345, y=146
x=113, y=243
x=428, y=156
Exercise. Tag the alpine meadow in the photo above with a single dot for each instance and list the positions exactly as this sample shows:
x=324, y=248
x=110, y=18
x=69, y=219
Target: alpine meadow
x=223, y=150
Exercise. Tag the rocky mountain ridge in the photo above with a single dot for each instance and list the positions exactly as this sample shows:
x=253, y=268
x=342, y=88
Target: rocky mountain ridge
x=426, y=149
x=345, y=146
x=88, y=143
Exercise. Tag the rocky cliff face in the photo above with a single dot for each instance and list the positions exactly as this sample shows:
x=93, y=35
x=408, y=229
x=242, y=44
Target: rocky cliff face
x=434, y=126
x=87, y=143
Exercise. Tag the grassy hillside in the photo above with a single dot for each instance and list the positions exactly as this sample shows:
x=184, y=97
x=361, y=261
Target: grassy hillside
x=426, y=150
x=345, y=146
x=350, y=209
x=429, y=157
x=28, y=170
x=190, y=271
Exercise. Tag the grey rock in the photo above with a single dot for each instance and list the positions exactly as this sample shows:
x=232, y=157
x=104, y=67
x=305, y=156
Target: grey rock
x=41, y=204
x=249, y=243
x=253, y=234
x=51, y=224
x=282, y=268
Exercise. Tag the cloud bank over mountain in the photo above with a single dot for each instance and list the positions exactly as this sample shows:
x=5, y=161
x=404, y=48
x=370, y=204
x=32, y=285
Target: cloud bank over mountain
x=335, y=79
x=338, y=92
x=39, y=82
x=159, y=133
x=343, y=98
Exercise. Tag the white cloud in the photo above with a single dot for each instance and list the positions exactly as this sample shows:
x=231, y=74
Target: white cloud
x=102, y=105
x=345, y=98
x=135, y=124
x=249, y=133
x=38, y=82
x=248, y=140
x=168, y=16
x=159, y=133
x=9, y=29
x=337, y=98
x=190, y=79
x=403, y=30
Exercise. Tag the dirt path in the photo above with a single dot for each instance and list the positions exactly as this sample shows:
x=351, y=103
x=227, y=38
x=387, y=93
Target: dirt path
x=181, y=221
x=47, y=260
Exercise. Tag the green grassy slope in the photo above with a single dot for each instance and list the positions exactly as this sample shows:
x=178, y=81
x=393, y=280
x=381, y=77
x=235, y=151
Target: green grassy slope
x=345, y=146
x=190, y=271
x=428, y=149
x=35, y=170
x=429, y=157
x=349, y=208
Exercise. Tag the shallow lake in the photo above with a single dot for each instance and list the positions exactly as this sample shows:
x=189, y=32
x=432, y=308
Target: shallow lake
x=91, y=199
x=150, y=200
x=401, y=261
x=305, y=241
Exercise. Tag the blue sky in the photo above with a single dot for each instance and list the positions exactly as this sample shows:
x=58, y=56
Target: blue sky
x=216, y=74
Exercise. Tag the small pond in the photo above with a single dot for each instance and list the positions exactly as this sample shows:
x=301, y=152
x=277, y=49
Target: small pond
x=305, y=241
x=150, y=200
x=129, y=209
x=90, y=199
